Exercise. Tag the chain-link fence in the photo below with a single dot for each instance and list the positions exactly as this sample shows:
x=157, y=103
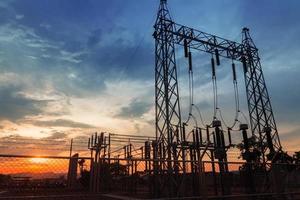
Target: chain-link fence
x=52, y=175
x=29, y=175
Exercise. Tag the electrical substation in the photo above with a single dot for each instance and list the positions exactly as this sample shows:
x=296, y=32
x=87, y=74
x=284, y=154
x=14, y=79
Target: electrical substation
x=187, y=158
x=171, y=163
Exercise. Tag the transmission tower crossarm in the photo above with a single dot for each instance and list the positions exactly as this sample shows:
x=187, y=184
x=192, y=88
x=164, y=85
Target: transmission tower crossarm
x=202, y=41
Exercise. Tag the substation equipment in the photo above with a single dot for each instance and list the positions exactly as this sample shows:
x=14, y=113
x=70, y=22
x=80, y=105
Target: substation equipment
x=172, y=159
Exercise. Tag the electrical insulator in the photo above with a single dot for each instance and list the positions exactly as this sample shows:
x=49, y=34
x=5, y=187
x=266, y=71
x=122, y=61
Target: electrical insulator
x=233, y=72
x=214, y=138
x=243, y=128
x=190, y=62
x=217, y=57
x=154, y=144
x=147, y=149
x=197, y=138
x=222, y=138
x=183, y=131
x=216, y=123
x=207, y=134
x=213, y=67
x=200, y=136
x=229, y=136
x=186, y=50
x=194, y=137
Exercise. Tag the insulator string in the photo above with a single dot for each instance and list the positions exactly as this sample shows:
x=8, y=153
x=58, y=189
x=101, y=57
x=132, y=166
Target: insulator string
x=215, y=91
x=191, y=90
x=190, y=99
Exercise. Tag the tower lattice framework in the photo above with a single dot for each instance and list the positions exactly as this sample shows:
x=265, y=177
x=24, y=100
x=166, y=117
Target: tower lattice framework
x=168, y=118
x=261, y=115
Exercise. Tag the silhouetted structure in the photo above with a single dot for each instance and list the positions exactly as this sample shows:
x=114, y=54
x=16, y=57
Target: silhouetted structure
x=180, y=163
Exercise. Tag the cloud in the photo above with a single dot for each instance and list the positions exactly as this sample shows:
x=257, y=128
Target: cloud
x=18, y=17
x=61, y=123
x=45, y=25
x=77, y=65
x=135, y=109
x=71, y=57
x=56, y=144
x=118, y=52
x=57, y=135
x=23, y=97
x=46, y=61
x=14, y=105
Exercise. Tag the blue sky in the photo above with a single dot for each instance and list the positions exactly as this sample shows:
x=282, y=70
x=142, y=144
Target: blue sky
x=75, y=66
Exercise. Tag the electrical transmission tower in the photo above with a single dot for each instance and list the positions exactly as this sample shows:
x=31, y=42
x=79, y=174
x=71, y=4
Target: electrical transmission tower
x=260, y=110
x=168, y=119
x=169, y=129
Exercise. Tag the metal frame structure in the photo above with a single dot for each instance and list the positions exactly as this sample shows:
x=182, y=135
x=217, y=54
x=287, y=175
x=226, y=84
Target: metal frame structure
x=168, y=118
x=260, y=110
x=168, y=34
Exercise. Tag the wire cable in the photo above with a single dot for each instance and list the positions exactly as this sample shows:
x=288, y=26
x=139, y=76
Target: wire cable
x=237, y=103
x=200, y=115
x=195, y=120
x=214, y=96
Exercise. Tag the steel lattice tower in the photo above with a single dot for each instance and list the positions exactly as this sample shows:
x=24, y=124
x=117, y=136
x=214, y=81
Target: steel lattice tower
x=169, y=130
x=262, y=120
x=168, y=118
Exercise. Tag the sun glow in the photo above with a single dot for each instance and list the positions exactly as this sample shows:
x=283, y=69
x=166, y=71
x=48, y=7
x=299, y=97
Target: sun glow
x=38, y=160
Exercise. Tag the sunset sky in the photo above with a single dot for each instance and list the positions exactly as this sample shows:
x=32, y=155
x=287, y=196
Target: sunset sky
x=71, y=67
